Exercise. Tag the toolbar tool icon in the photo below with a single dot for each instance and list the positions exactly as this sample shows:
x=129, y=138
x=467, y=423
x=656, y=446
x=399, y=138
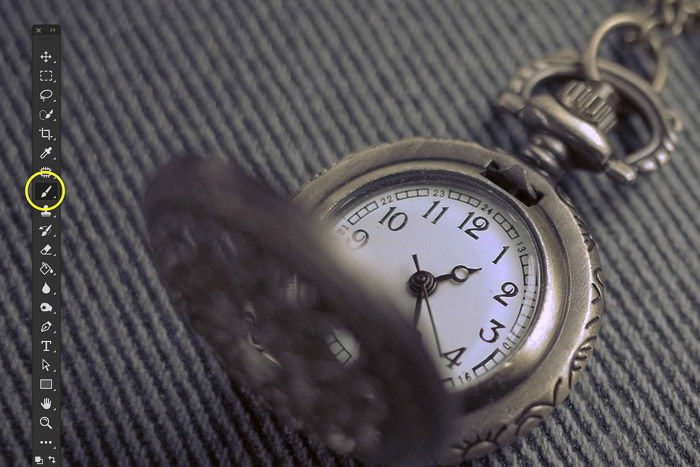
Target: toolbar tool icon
x=46, y=403
x=46, y=251
x=46, y=152
x=46, y=191
x=45, y=383
x=45, y=289
x=45, y=115
x=45, y=95
x=45, y=229
x=46, y=75
x=46, y=214
x=45, y=422
x=45, y=365
x=46, y=133
x=52, y=459
x=46, y=56
x=45, y=269
x=46, y=326
x=45, y=307
x=38, y=460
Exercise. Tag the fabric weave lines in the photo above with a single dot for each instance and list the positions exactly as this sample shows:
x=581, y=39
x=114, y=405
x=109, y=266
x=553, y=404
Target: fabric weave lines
x=286, y=88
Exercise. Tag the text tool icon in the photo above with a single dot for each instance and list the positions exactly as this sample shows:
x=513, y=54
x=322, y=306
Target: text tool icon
x=45, y=229
x=46, y=152
x=46, y=191
x=45, y=422
x=46, y=251
x=45, y=365
x=46, y=56
x=45, y=383
x=45, y=269
x=46, y=326
x=46, y=403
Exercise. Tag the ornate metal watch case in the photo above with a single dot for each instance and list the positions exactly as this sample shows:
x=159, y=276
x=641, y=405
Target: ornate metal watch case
x=515, y=397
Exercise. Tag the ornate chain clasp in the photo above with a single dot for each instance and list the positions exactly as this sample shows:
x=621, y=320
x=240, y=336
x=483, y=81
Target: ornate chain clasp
x=572, y=126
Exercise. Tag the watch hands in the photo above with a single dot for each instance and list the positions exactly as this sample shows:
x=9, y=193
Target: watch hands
x=416, y=312
x=421, y=279
x=422, y=284
x=419, y=300
x=459, y=273
x=432, y=320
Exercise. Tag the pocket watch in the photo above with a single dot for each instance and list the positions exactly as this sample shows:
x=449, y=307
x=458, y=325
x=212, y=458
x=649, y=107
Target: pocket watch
x=453, y=295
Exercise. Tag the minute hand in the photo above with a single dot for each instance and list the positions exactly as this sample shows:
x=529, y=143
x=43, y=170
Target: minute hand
x=432, y=320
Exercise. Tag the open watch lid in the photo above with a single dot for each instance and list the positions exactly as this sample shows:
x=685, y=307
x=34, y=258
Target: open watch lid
x=268, y=292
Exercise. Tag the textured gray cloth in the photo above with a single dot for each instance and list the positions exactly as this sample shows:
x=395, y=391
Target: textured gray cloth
x=286, y=88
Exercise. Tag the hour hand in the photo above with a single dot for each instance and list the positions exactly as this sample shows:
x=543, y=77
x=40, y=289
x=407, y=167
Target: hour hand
x=459, y=273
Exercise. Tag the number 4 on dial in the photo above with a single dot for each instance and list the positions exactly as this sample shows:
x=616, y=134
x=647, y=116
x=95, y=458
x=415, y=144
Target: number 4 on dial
x=453, y=356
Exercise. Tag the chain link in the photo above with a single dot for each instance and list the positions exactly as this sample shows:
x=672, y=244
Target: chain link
x=670, y=18
x=657, y=22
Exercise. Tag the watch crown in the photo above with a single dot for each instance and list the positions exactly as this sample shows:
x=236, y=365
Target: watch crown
x=594, y=102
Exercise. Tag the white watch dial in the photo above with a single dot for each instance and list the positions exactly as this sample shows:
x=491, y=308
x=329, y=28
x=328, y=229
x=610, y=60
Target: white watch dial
x=479, y=266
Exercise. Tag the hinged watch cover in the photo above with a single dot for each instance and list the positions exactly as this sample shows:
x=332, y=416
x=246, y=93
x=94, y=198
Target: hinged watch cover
x=258, y=281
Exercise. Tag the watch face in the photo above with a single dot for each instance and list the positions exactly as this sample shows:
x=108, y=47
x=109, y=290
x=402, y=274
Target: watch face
x=460, y=258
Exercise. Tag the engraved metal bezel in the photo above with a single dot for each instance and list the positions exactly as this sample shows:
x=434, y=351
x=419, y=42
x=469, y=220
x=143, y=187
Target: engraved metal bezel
x=537, y=376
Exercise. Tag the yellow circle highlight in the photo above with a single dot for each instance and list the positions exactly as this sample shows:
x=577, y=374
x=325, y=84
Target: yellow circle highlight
x=29, y=199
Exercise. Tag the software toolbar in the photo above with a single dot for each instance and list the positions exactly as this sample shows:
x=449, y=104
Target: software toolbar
x=45, y=191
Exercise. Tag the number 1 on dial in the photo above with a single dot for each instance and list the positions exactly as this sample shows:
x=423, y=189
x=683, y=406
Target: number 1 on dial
x=500, y=255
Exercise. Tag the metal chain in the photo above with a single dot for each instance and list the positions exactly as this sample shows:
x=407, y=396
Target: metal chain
x=670, y=18
x=655, y=23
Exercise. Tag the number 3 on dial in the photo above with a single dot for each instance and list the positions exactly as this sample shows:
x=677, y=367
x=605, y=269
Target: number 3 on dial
x=494, y=331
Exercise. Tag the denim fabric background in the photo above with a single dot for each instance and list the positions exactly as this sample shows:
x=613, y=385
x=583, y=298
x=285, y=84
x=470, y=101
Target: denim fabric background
x=286, y=88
